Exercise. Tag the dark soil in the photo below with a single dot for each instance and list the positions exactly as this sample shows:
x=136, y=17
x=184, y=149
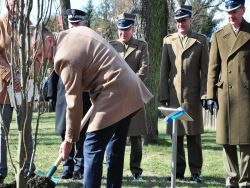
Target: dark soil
x=40, y=182
x=35, y=182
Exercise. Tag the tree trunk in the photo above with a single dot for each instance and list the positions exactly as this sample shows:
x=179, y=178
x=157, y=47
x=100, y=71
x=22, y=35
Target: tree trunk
x=20, y=180
x=155, y=15
x=65, y=4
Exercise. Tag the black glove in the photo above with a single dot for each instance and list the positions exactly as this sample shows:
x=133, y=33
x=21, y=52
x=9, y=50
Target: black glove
x=204, y=103
x=165, y=103
x=211, y=104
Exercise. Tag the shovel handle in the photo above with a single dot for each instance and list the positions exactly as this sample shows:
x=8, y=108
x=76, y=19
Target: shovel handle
x=58, y=161
x=54, y=167
x=86, y=117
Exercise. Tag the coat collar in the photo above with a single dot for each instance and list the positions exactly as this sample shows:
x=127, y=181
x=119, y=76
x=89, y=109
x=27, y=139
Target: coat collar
x=242, y=37
x=132, y=45
x=191, y=40
x=229, y=37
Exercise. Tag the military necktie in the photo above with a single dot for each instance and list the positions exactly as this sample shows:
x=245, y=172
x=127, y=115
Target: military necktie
x=183, y=39
x=236, y=31
x=125, y=48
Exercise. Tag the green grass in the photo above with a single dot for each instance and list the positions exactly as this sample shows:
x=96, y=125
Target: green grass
x=156, y=159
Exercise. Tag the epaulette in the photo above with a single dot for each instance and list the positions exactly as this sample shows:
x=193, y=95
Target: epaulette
x=114, y=42
x=201, y=34
x=141, y=41
x=168, y=35
x=219, y=30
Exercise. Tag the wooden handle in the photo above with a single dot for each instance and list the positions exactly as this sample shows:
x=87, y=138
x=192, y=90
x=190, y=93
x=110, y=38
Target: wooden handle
x=86, y=117
x=58, y=161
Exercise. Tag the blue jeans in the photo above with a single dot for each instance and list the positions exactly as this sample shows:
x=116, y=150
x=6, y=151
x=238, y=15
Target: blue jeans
x=114, y=139
x=6, y=112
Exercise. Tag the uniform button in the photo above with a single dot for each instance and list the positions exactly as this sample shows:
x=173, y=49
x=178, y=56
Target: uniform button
x=229, y=71
x=182, y=71
x=230, y=86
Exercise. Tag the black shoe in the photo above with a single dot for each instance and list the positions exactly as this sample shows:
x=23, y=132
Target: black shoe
x=1, y=180
x=77, y=176
x=137, y=176
x=178, y=176
x=67, y=175
x=196, y=178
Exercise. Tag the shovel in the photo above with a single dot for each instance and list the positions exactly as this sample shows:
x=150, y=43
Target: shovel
x=53, y=168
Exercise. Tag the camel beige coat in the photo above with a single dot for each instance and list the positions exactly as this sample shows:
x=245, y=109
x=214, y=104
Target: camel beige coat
x=136, y=55
x=229, y=78
x=183, y=78
x=5, y=72
x=87, y=62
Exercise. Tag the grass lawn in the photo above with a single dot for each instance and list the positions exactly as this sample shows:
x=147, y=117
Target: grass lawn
x=156, y=159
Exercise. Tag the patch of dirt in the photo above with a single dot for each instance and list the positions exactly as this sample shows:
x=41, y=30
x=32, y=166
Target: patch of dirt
x=40, y=182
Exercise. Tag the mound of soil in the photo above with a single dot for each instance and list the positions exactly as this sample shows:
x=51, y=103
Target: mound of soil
x=33, y=182
x=40, y=182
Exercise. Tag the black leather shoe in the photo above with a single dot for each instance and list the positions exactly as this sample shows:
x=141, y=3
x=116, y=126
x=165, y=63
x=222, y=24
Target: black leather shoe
x=178, y=176
x=67, y=175
x=1, y=180
x=137, y=176
x=196, y=178
x=77, y=176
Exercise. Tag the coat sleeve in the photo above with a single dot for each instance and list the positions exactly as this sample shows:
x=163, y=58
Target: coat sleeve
x=4, y=66
x=214, y=69
x=71, y=77
x=143, y=70
x=204, y=68
x=164, y=73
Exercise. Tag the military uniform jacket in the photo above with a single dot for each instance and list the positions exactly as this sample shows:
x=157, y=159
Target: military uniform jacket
x=229, y=82
x=87, y=62
x=136, y=55
x=183, y=78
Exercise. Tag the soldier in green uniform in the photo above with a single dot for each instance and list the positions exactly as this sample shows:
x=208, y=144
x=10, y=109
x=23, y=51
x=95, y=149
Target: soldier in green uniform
x=228, y=89
x=183, y=78
x=135, y=53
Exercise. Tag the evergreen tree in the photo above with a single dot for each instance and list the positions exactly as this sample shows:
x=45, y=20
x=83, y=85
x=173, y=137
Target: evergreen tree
x=203, y=16
x=89, y=12
x=104, y=22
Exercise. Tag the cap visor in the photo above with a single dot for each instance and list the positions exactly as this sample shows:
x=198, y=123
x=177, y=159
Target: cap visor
x=124, y=27
x=234, y=8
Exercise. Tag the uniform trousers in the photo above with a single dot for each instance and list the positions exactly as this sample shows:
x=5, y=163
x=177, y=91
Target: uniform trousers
x=75, y=162
x=237, y=174
x=113, y=140
x=194, y=149
x=135, y=154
